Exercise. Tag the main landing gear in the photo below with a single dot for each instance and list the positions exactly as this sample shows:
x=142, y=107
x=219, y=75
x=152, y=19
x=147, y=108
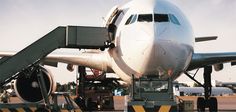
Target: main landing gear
x=207, y=101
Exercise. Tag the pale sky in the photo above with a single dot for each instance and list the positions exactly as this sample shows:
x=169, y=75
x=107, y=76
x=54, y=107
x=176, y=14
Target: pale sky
x=24, y=21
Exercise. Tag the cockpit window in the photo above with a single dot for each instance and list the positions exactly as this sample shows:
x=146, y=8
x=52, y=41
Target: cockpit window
x=131, y=19
x=149, y=18
x=173, y=19
x=128, y=20
x=166, y=18
x=161, y=18
x=145, y=18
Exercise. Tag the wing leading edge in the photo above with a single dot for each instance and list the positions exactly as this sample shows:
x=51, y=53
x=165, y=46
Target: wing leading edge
x=200, y=60
x=93, y=59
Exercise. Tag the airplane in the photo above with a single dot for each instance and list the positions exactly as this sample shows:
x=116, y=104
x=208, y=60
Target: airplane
x=198, y=91
x=150, y=37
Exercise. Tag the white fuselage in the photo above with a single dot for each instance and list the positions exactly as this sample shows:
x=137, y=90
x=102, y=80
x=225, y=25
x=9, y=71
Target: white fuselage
x=157, y=41
x=153, y=37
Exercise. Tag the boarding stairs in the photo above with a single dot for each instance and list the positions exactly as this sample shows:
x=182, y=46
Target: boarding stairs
x=79, y=37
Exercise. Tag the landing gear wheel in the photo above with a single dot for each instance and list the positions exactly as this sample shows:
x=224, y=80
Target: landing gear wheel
x=213, y=107
x=207, y=101
x=200, y=104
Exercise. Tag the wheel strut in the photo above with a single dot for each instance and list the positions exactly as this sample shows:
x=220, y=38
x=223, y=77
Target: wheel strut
x=207, y=82
x=207, y=101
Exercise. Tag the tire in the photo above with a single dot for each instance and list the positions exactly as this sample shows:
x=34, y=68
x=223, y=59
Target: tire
x=200, y=104
x=213, y=107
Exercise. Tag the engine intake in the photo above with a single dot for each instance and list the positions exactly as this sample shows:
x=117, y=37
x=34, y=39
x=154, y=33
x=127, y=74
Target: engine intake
x=27, y=87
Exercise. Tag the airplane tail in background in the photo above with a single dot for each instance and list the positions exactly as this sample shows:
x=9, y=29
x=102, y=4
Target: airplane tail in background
x=202, y=39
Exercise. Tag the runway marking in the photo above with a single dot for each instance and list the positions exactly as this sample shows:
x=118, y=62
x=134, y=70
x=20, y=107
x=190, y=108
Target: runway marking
x=5, y=110
x=33, y=108
x=20, y=110
x=165, y=108
x=138, y=108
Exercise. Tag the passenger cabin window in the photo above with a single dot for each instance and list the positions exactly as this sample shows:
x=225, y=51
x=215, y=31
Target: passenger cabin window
x=161, y=18
x=145, y=18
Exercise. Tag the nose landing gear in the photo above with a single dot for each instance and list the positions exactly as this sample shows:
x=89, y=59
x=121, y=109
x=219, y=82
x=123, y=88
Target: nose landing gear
x=207, y=101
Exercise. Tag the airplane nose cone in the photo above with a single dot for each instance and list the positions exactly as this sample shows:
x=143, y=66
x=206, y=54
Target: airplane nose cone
x=137, y=47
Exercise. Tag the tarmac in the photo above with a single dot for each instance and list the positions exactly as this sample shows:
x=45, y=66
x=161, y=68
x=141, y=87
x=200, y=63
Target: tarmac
x=225, y=103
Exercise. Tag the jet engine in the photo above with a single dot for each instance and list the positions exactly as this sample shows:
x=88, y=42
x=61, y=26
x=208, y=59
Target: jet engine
x=27, y=86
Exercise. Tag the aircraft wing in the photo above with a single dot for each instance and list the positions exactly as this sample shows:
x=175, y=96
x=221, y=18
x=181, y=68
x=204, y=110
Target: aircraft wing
x=7, y=54
x=91, y=58
x=200, y=60
x=51, y=59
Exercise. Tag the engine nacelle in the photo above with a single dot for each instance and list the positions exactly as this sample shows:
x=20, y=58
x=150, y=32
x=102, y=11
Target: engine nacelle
x=27, y=87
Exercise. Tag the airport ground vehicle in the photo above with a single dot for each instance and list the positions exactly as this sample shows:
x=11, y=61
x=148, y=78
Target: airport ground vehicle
x=152, y=94
x=95, y=92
